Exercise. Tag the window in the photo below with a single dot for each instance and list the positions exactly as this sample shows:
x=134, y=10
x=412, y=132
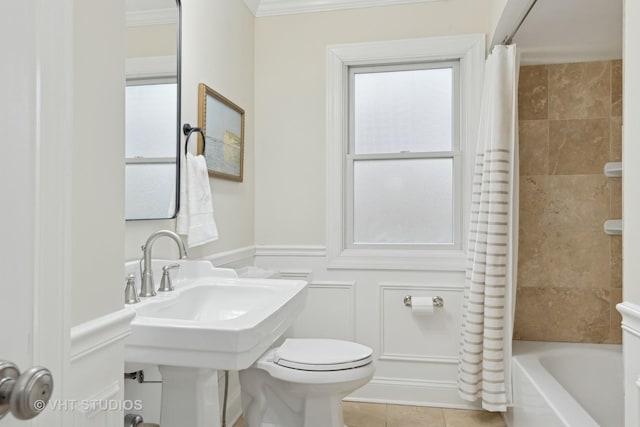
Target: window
x=401, y=123
x=150, y=153
x=403, y=156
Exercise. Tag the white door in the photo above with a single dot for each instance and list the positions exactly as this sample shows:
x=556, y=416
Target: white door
x=35, y=129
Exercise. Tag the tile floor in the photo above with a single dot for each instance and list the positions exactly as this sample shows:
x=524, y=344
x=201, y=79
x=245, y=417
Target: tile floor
x=380, y=415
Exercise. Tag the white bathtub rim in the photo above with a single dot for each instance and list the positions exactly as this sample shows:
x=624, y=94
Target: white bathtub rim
x=572, y=413
x=553, y=392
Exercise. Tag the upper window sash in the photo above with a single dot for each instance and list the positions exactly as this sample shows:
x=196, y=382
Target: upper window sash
x=454, y=66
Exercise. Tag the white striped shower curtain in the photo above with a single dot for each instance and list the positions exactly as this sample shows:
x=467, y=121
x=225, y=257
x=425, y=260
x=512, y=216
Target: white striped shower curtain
x=484, y=369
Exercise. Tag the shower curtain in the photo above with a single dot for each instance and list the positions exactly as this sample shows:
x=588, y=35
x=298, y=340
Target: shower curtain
x=484, y=367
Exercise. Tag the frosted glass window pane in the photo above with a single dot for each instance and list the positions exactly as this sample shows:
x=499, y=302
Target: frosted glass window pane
x=403, y=201
x=151, y=120
x=150, y=191
x=403, y=111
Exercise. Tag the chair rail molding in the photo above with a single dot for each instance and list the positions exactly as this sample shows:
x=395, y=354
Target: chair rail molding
x=291, y=250
x=237, y=256
x=88, y=338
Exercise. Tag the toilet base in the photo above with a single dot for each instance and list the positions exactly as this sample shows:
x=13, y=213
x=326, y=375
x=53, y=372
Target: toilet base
x=271, y=402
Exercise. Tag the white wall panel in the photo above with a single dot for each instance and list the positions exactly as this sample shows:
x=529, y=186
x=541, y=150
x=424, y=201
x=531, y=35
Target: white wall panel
x=408, y=336
x=96, y=385
x=416, y=358
x=329, y=312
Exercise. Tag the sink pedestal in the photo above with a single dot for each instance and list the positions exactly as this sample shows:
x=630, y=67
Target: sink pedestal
x=189, y=397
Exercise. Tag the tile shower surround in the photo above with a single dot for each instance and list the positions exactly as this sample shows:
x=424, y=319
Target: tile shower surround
x=569, y=270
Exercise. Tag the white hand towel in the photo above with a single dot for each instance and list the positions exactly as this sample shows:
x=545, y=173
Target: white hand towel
x=195, y=219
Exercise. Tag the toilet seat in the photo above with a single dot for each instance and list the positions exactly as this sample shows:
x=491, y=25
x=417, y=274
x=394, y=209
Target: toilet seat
x=321, y=355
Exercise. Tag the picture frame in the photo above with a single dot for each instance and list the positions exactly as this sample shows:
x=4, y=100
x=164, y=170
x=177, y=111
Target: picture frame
x=222, y=123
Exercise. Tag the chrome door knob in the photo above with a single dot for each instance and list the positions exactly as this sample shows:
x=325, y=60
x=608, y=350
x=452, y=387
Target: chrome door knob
x=25, y=395
x=9, y=373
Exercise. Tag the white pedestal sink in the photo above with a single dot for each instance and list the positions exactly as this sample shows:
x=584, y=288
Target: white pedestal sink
x=212, y=321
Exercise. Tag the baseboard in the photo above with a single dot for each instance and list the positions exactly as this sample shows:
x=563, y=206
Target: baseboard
x=442, y=394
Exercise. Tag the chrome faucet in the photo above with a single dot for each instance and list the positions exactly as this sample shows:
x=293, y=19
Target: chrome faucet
x=147, y=289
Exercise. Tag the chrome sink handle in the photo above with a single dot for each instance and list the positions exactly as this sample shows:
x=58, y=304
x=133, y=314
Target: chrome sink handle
x=130, y=296
x=165, y=284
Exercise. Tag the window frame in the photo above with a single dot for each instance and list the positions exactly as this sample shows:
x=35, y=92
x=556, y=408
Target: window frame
x=469, y=51
x=455, y=154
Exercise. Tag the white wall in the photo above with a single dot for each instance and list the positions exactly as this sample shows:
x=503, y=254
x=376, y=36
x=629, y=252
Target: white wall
x=95, y=352
x=218, y=50
x=98, y=153
x=416, y=357
x=290, y=102
x=151, y=40
x=630, y=308
x=631, y=152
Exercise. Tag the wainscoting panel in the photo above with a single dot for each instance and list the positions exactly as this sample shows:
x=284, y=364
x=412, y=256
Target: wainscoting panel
x=409, y=336
x=631, y=359
x=105, y=408
x=329, y=312
x=416, y=356
x=97, y=368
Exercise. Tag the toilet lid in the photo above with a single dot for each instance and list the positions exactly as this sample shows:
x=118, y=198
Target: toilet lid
x=322, y=354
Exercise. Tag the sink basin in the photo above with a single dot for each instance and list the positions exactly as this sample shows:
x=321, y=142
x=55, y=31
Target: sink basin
x=211, y=302
x=213, y=319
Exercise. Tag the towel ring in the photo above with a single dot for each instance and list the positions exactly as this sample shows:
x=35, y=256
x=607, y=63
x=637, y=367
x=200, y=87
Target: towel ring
x=187, y=129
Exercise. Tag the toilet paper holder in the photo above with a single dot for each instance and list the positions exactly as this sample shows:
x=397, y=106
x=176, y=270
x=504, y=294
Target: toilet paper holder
x=437, y=301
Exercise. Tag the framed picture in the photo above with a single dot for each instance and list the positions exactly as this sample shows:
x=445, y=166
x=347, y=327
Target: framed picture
x=222, y=122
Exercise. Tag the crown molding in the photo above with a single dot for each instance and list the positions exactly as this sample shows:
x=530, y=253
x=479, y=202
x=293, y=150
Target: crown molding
x=253, y=6
x=287, y=7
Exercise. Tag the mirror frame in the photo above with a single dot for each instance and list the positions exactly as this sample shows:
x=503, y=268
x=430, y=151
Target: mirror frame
x=178, y=119
x=178, y=108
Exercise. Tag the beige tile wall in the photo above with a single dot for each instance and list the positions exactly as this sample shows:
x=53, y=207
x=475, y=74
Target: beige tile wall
x=569, y=271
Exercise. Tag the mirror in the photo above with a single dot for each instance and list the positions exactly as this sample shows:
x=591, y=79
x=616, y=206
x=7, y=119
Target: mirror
x=152, y=143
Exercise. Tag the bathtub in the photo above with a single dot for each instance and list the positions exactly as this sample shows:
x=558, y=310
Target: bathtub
x=566, y=385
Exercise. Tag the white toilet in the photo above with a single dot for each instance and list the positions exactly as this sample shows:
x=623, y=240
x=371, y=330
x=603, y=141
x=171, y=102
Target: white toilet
x=301, y=383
